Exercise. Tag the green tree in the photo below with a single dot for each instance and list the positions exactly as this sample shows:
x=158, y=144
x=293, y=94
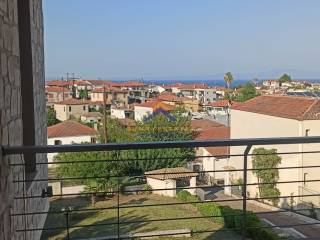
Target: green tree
x=247, y=92
x=265, y=162
x=51, y=117
x=228, y=78
x=159, y=128
x=285, y=78
x=83, y=93
x=86, y=165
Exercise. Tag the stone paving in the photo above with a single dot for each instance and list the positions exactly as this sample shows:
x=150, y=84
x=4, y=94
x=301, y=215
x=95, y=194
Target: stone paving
x=277, y=219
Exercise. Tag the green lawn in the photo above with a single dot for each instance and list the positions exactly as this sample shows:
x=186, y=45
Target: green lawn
x=129, y=214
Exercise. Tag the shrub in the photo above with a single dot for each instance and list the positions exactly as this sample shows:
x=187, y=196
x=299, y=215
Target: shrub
x=147, y=189
x=231, y=218
x=183, y=195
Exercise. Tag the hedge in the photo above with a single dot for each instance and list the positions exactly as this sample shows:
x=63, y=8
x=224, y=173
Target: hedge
x=230, y=218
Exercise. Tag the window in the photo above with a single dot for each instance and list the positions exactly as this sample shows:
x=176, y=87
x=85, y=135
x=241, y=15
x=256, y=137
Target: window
x=57, y=142
x=64, y=109
x=69, y=108
x=307, y=132
x=93, y=140
x=84, y=108
x=305, y=178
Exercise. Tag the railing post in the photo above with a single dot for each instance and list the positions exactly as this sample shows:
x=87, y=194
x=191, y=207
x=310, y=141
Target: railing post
x=67, y=223
x=118, y=193
x=244, y=191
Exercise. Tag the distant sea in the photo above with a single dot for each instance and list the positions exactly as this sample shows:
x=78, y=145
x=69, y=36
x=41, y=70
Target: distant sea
x=209, y=82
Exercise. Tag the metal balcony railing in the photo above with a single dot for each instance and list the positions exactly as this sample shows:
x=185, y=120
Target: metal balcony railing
x=119, y=223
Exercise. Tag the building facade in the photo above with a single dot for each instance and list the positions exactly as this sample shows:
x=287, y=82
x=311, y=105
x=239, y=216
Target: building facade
x=23, y=118
x=276, y=117
x=71, y=108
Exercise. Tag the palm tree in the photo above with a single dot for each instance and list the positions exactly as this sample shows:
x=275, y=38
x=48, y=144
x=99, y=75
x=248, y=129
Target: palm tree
x=228, y=78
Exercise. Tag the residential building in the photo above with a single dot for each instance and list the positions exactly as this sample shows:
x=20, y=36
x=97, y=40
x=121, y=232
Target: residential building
x=57, y=94
x=190, y=104
x=144, y=110
x=138, y=91
x=168, y=179
x=220, y=107
x=113, y=96
x=91, y=117
x=122, y=113
x=210, y=159
x=279, y=116
x=272, y=84
x=59, y=83
x=202, y=92
x=71, y=108
x=69, y=132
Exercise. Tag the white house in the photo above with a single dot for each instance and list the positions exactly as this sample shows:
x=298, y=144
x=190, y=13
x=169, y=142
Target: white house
x=276, y=117
x=121, y=112
x=210, y=159
x=69, y=132
x=167, y=180
x=220, y=107
x=91, y=117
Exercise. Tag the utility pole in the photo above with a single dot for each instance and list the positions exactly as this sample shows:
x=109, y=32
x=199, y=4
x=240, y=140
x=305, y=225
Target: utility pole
x=104, y=114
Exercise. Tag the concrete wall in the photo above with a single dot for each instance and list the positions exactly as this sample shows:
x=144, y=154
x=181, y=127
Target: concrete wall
x=253, y=125
x=118, y=113
x=63, y=113
x=66, y=140
x=141, y=112
x=159, y=184
x=11, y=130
x=212, y=164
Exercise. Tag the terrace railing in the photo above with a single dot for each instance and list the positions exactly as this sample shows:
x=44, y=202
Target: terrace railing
x=248, y=145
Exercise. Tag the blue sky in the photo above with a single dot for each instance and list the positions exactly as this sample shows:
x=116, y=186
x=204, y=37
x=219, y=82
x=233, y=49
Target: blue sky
x=182, y=39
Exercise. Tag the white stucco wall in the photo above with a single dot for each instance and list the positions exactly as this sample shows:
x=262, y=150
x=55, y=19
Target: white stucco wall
x=118, y=113
x=64, y=141
x=313, y=127
x=159, y=184
x=212, y=164
x=253, y=125
x=141, y=112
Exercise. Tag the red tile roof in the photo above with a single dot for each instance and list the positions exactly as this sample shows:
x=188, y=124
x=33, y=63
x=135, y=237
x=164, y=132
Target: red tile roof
x=298, y=108
x=175, y=85
x=199, y=124
x=221, y=103
x=171, y=97
x=109, y=89
x=82, y=83
x=73, y=101
x=70, y=129
x=128, y=84
x=171, y=173
x=57, y=89
x=156, y=105
x=58, y=83
x=210, y=130
x=194, y=86
x=191, y=86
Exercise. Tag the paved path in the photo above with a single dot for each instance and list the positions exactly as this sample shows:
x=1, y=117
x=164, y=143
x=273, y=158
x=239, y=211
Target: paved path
x=274, y=218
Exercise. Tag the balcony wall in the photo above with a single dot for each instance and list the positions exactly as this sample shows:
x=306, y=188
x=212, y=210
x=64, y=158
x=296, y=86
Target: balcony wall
x=11, y=120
